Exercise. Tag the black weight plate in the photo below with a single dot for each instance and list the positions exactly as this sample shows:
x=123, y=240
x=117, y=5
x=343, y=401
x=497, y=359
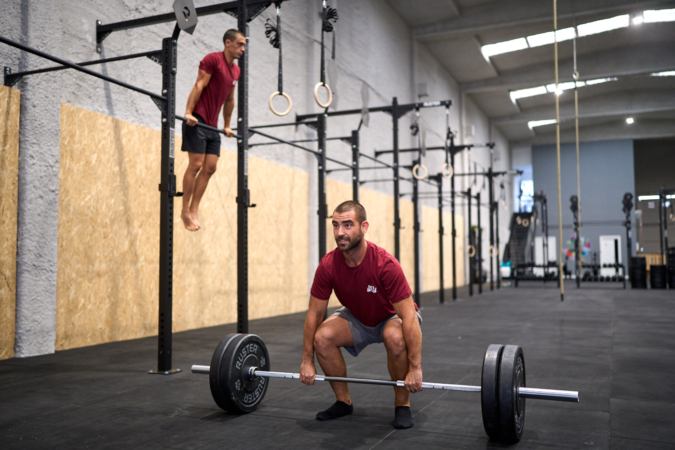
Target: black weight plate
x=511, y=406
x=220, y=395
x=489, y=391
x=239, y=392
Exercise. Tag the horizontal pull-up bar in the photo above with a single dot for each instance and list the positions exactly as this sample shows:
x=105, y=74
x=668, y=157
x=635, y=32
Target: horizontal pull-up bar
x=376, y=160
x=79, y=68
x=13, y=78
x=283, y=141
x=103, y=30
x=208, y=127
x=389, y=108
x=300, y=141
x=452, y=148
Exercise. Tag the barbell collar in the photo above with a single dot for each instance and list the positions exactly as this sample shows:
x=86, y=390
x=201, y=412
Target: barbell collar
x=524, y=392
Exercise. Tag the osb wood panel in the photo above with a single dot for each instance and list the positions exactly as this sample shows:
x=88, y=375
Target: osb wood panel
x=9, y=178
x=107, y=274
x=380, y=211
x=430, y=250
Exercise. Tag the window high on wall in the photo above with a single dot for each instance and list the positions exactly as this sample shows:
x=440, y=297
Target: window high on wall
x=526, y=195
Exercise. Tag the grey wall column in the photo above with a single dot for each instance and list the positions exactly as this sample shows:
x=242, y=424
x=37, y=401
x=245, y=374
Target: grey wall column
x=40, y=27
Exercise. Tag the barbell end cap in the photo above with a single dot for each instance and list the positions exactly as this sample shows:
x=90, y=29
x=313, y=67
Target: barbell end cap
x=202, y=370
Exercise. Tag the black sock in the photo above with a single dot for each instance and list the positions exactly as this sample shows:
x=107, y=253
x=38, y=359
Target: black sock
x=403, y=418
x=338, y=409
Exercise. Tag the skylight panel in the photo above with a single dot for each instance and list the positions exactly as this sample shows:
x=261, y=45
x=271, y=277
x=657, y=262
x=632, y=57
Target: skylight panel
x=600, y=26
x=661, y=15
x=539, y=123
x=563, y=86
x=669, y=73
x=530, y=92
x=503, y=47
x=599, y=80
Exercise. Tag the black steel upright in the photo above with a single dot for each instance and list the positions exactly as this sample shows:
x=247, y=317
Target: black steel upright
x=167, y=193
x=492, y=229
x=471, y=241
x=439, y=180
x=243, y=194
x=416, y=234
x=323, y=207
x=355, y=165
x=479, y=246
x=454, y=231
x=397, y=212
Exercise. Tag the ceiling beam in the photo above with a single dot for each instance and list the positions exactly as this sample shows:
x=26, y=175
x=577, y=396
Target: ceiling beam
x=452, y=5
x=508, y=14
x=641, y=129
x=616, y=62
x=605, y=105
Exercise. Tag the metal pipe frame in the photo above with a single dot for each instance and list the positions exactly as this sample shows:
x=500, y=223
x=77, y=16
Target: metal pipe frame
x=416, y=243
x=74, y=66
x=390, y=109
x=12, y=78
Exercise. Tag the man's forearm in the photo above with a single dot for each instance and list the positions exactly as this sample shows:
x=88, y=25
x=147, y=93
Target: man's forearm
x=412, y=334
x=312, y=322
x=227, y=112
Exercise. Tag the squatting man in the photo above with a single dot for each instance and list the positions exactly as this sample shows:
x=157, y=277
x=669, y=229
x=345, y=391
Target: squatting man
x=377, y=308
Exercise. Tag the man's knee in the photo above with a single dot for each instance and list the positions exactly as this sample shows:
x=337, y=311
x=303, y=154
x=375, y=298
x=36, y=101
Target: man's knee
x=195, y=165
x=209, y=169
x=323, y=340
x=393, y=339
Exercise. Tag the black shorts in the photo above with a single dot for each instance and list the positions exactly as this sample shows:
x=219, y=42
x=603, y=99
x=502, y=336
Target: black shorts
x=200, y=140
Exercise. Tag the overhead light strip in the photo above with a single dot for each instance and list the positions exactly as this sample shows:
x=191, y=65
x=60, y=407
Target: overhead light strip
x=550, y=88
x=540, y=123
x=586, y=29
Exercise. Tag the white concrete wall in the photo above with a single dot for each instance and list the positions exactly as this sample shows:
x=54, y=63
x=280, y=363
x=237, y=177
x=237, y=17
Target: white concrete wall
x=373, y=46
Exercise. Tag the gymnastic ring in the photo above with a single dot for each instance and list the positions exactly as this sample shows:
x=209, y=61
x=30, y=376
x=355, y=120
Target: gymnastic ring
x=415, y=171
x=537, y=222
x=450, y=172
x=526, y=223
x=471, y=251
x=505, y=205
x=519, y=220
x=672, y=217
x=284, y=95
x=493, y=251
x=316, y=95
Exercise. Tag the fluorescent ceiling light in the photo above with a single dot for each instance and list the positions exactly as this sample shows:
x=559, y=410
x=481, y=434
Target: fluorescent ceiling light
x=539, y=123
x=599, y=81
x=503, y=47
x=642, y=198
x=530, y=92
x=600, y=26
x=538, y=40
x=563, y=86
x=637, y=20
x=629, y=120
x=661, y=15
x=670, y=73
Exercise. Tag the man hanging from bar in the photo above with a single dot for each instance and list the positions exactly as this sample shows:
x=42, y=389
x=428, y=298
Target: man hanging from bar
x=377, y=308
x=213, y=91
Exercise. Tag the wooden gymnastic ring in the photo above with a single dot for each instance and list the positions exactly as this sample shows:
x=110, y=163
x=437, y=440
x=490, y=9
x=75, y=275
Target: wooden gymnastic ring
x=415, y=171
x=450, y=172
x=519, y=220
x=672, y=217
x=471, y=251
x=493, y=250
x=526, y=223
x=316, y=95
x=284, y=95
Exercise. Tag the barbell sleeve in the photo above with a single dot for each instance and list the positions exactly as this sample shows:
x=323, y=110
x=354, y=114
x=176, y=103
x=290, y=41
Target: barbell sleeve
x=524, y=392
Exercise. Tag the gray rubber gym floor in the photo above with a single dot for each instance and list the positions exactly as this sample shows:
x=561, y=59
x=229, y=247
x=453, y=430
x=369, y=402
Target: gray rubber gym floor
x=615, y=346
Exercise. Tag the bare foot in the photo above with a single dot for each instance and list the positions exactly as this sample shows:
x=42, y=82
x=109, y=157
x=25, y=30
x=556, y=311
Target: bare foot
x=188, y=222
x=195, y=219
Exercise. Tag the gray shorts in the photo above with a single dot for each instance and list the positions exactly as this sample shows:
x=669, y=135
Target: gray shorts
x=363, y=335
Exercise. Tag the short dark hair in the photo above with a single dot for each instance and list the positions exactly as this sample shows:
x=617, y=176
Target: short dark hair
x=231, y=35
x=351, y=205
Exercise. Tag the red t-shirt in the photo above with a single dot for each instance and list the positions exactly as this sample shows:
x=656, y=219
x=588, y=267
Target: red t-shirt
x=367, y=290
x=223, y=79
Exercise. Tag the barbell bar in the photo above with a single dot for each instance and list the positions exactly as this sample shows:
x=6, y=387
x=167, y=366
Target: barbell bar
x=524, y=392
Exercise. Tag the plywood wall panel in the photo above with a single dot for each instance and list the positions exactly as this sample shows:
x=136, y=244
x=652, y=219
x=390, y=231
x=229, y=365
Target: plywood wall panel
x=9, y=179
x=107, y=282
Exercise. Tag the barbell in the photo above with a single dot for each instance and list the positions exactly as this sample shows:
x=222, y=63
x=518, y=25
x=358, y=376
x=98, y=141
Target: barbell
x=240, y=369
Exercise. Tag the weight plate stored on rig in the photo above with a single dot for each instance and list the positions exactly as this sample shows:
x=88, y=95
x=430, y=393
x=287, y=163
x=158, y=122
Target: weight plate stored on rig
x=511, y=406
x=489, y=391
x=231, y=386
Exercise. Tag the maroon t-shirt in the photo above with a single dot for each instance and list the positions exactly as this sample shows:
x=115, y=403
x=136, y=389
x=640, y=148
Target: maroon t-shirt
x=367, y=290
x=223, y=79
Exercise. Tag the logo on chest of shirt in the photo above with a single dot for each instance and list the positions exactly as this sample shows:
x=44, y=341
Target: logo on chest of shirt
x=372, y=289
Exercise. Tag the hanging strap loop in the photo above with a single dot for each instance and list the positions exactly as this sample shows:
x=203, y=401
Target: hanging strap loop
x=329, y=17
x=273, y=33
